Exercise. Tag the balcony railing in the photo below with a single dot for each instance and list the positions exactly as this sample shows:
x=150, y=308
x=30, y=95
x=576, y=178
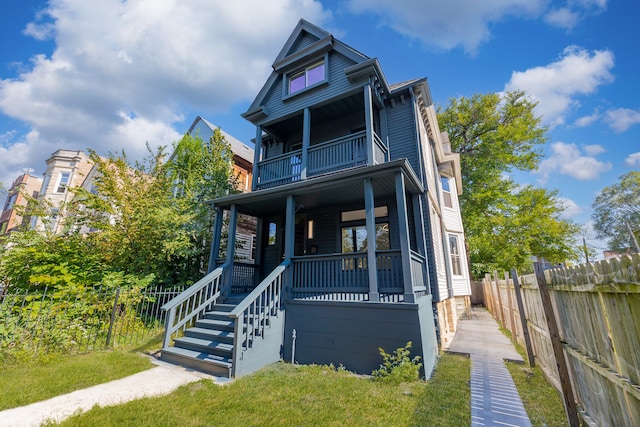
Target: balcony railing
x=329, y=156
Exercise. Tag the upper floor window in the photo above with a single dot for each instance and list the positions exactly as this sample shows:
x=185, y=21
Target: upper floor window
x=307, y=77
x=446, y=192
x=63, y=182
x=454, y=252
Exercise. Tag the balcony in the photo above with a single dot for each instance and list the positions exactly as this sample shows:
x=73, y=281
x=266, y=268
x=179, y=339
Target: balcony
x=326, y=157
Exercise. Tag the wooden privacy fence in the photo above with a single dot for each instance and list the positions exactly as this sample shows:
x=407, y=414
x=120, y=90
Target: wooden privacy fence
x=597, y=314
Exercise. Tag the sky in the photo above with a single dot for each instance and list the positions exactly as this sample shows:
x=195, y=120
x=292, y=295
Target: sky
x=113, y=75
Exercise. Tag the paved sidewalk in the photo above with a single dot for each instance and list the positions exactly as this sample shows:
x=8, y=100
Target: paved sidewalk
x=494, y=398
x=163, y=379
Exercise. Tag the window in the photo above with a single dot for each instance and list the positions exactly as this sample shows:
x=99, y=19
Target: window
x=11, y=201
x=446, y=192
x=310, y=229
x=307, y=77
x=63, y=182
x=354, y=239
x=379, y=212
x=454, y=251
x=272, y=234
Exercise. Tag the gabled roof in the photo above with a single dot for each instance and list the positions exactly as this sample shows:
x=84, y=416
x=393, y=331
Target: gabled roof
x=290, y=58
x=238, y=147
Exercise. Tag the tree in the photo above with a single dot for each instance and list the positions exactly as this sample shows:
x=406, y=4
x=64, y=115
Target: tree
x=616, y=213
x=505, y=223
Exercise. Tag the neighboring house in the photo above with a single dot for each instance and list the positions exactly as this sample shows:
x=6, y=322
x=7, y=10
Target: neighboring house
x=242, y=169
x=359, y=244
x=65, y=169
x=25, y=184
x=242, y=153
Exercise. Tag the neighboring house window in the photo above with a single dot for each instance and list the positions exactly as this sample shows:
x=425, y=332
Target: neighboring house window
x=446, y=192
x=454, y=251
x=307, y=77
x=63, y=182
x=45, y=184
x=11, y=201
x=3, y=227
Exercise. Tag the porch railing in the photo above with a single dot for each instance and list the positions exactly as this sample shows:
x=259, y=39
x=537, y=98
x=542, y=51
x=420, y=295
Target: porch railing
x=342, y=274
x=244, y=277
x=337, y=154
x=329, y=156
x=280, y=170
x=380, y=151
x=194, y=301
x=255, y=312
x=418, y=271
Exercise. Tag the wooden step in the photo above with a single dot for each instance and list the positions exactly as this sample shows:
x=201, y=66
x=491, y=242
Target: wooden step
x=210, y=334
x=203, y=362
x=212, y=347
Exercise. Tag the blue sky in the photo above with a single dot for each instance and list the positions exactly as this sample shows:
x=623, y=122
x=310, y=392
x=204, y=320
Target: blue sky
x=113, y=74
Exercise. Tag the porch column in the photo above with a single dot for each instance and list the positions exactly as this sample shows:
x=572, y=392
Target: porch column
x=258, y=259
x=384, y=130
x=289, y=227
x=372, y=268
x=215, y=238
x=231, y=239
x=418, y=219
x=256, y=158
x=306, y=140
x=405, y=246
x=368, y=121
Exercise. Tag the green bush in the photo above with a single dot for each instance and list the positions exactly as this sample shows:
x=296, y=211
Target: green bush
x=398, y=367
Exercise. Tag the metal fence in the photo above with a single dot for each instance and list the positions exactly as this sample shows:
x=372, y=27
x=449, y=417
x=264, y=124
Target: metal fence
x=77, y=321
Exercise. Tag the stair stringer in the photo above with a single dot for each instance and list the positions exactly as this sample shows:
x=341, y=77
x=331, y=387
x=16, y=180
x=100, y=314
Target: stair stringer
x=266, y=349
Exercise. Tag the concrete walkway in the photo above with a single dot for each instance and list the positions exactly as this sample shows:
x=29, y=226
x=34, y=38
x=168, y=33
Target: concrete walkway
x=163, y=379
x=494, y=398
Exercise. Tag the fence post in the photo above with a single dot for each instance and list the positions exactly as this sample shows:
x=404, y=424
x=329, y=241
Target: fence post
x=563, y=372
x=113, y=317
x=500, y=308
x=523, y=318
x=512, y=316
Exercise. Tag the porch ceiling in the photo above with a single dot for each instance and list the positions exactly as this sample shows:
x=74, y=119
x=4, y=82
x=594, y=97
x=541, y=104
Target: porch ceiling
x=333, y=189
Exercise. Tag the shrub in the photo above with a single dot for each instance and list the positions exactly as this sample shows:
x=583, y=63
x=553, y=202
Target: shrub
x=398, y=367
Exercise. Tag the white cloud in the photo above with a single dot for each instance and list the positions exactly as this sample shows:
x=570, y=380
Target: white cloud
x=593, y=150
x=567, y=159
x=122, y=73
x=446, y=24
x=633, y=160
x=585, y=121
x=569, y=207
x=621, y=119
x=558, y=85
x=466, y=23
x=562, y=18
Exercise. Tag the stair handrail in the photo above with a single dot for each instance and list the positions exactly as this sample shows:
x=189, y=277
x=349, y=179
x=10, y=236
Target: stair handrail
x=191, y=302
x=261, y=304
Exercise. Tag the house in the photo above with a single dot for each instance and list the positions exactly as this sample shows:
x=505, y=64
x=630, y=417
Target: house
x=65, y=169
x=242, y=153
x=360, y=245
x=25, y=185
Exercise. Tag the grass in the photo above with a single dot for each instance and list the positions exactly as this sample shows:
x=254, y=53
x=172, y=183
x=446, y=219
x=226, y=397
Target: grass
x=541, y=400
x=42, y=379
x=289, y=395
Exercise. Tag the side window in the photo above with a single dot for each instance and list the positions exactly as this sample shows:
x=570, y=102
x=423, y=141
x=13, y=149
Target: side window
x=446, y=191
x=63, y=182
x=454, y=251
x=273, y=228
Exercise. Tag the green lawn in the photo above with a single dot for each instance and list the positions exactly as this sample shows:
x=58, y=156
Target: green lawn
x=42, y=379
x=287, y=395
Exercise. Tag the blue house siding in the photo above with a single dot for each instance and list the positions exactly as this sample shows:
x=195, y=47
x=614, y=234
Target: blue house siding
x=402, y=133
x=338, y=86
x=303, y=41
x=351, y=334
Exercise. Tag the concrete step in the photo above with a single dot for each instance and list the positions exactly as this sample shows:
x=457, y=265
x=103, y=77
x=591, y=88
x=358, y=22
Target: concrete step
x=203, y=362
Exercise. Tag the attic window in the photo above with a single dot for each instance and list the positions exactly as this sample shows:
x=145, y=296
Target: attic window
x=307, y=77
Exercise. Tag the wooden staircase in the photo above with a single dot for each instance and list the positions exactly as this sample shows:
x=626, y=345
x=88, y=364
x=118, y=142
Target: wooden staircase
x=208, y=345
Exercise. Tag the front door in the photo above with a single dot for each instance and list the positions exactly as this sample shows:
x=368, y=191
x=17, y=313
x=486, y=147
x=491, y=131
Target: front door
x=273, y=244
